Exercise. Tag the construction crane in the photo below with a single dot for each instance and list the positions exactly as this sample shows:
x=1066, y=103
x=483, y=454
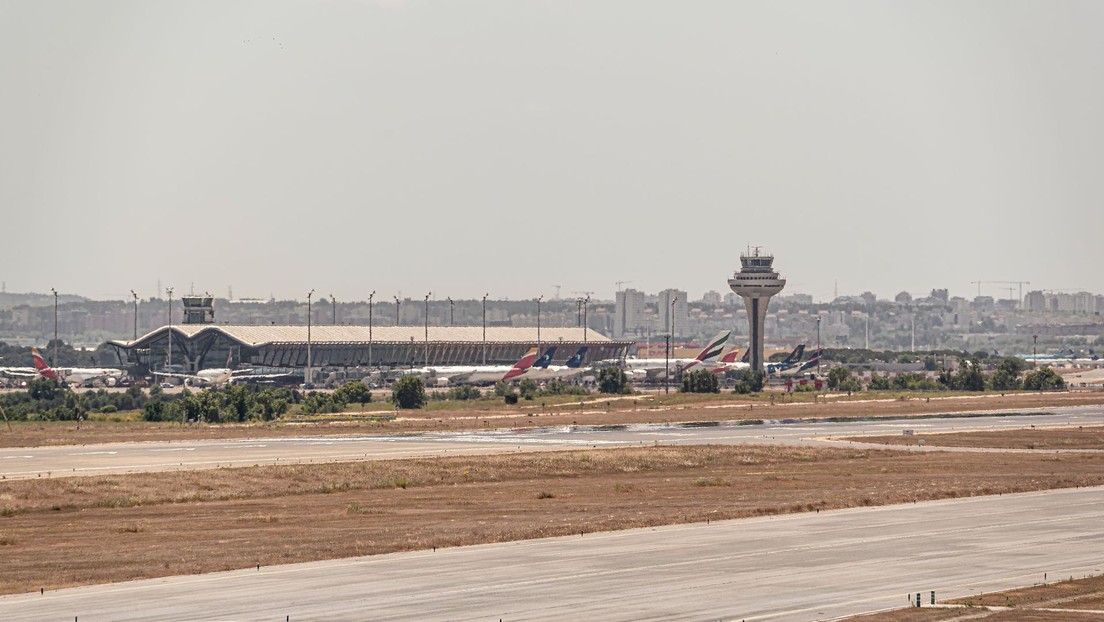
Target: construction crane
x=1020, y=283
x=620, y=283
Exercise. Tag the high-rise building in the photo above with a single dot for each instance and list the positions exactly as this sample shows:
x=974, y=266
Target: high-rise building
x=681, y=311
x=628, y=312
x=756, y=282
x=1035, y=301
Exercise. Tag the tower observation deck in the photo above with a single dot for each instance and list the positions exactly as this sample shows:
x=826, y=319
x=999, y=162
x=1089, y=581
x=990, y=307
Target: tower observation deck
x=756, y=282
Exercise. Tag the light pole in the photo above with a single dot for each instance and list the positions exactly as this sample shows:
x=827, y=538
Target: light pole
x=1034, y=351
x=168, y=365
x=451, y=316
x=539, y=299
x=334, y=301
x=667, y=349
x=585, y=302
x=674, y=300
x=310, y=372
x=135, y=314
x=397, y=303
x=818, y=346
x=370, y=296
x=55, y=361
x=666, y=364
x=427, y=328
x=485, y=327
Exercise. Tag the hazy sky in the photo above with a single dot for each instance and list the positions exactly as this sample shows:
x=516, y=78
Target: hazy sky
x=508, y=146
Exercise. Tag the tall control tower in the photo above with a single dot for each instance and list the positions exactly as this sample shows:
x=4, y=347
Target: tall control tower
x=756, y=282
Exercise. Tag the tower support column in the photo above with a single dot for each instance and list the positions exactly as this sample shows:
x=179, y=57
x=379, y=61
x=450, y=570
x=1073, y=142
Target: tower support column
x=756, y=282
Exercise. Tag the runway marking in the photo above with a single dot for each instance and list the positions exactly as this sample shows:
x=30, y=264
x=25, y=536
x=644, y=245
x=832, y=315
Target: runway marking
x=96, y=453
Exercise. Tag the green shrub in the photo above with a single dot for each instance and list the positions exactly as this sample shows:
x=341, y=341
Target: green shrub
x=700, y=381
x=353, y=392
x=614, y=381
x=464, y=392
x=409, y=392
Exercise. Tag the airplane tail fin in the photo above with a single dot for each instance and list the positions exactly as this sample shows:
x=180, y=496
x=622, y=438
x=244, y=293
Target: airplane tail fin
x=746, y=358
x=545, y=359
x=577, y=361
x=730, y=357
x=40, y=365
x=523, y=364
x=796, y=355
x=712, y=350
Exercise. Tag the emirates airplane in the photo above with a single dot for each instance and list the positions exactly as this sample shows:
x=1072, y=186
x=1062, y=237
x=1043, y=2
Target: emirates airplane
x=652, y=369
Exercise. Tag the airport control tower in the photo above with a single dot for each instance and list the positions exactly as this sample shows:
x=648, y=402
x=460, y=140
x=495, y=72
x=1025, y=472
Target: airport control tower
x=756, y=282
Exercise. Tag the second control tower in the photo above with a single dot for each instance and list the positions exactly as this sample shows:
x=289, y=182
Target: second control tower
x=756, y=282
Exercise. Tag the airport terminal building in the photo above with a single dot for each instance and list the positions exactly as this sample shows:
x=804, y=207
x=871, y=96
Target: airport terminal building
x=203, y=346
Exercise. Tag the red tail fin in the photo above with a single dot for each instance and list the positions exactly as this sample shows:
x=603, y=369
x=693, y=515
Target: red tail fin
x=44, y=370
x=522, y=365
x=731, y=356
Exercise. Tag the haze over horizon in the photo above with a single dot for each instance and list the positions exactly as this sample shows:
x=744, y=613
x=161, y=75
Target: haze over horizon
x=501, y=147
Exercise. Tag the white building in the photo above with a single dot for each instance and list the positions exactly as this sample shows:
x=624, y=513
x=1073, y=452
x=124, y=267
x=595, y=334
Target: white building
x=629, y=313
x=681, y=310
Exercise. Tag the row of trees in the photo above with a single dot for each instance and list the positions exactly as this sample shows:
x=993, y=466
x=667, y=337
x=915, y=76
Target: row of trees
x=47, y=400
x=969, y=377
x=232, y=404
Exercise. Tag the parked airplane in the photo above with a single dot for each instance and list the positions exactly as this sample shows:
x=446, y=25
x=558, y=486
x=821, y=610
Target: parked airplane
x=807, y=365
x=792, y=359
x=16, y=376
x=652, y=369
x=546, y=371
x=215, y=376
x=545, y=359
x=728, y=362
x=79, y=376
x=446, y=375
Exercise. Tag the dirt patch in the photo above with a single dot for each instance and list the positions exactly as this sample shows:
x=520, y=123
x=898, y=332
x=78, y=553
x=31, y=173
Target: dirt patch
x=614, y=411
x=1065, y=593
x=1079, y=438
x=1073, y=600
x=75, y=531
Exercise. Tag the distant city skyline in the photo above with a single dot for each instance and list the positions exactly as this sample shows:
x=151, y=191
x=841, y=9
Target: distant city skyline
x=707, y=297
x=511, y=147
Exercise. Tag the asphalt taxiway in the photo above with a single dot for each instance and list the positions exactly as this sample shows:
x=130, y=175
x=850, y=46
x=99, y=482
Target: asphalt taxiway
x=74, y=460
x=811, y=566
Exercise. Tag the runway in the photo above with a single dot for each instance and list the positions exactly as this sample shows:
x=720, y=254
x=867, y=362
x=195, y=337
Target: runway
x=75, y=460
x=793, y=567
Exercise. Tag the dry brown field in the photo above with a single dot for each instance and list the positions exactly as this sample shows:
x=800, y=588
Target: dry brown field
x=1080, y=438
x=74, y=531
x=1072, y=600
x=613, y=411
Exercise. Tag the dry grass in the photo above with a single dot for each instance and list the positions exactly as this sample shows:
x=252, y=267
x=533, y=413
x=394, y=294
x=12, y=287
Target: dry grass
x=1078, y=438
x=636, y=409
x=1065, y=593
x=1039, y=603
x=76, y=531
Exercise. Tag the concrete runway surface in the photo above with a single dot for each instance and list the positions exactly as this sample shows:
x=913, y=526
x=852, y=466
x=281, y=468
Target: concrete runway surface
x=795, y=567
x=74, y=460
